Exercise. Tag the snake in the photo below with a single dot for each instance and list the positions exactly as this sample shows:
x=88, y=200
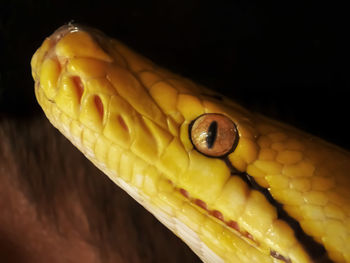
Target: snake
x=234, y=185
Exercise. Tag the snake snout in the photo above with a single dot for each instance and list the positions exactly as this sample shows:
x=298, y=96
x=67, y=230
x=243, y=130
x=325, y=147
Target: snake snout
x=63, y=31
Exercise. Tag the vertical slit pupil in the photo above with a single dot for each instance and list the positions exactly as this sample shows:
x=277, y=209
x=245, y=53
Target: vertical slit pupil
x=212, y=132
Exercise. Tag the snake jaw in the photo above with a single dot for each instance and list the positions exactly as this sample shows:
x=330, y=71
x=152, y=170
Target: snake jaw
x=131, y=119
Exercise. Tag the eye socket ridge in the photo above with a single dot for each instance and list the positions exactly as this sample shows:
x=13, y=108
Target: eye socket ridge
x=213, y=135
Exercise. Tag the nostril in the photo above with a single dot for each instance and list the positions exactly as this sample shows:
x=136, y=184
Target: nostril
x=122, y=123
x=99, y=105
x=79, y=87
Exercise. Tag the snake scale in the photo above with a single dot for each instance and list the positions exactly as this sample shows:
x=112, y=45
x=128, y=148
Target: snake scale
x=234, y=185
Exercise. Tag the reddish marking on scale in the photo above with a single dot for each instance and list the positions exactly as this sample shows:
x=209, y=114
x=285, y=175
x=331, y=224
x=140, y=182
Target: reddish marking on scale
x=234, y=225
x=99, y=106
x=201, y=204
x=184, y=193
x=217, y=214
x=277, y=255
x=79, y=87
x=122, y=123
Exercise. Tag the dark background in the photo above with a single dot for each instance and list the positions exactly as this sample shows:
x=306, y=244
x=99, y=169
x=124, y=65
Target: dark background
x=286, y=60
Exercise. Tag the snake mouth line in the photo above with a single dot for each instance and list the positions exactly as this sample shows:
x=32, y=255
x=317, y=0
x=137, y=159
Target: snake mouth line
x=217, y=214
x=316, y=250
x=232, y=224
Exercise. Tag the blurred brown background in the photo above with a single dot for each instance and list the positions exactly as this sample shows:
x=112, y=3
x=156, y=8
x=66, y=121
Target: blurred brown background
x=285, y=60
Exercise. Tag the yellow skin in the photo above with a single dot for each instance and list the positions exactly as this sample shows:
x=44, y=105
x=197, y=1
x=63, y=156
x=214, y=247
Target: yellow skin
x=131, y=119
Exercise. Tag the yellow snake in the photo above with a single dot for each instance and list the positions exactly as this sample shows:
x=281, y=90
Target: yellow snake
x=235, y=186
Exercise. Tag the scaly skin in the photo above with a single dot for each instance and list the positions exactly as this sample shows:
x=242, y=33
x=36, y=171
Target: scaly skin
x=131, y=119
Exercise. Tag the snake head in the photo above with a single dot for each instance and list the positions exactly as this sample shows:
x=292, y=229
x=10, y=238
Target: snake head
x=235, y=186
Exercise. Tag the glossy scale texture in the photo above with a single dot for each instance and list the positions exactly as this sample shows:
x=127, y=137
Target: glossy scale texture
x=131, y=119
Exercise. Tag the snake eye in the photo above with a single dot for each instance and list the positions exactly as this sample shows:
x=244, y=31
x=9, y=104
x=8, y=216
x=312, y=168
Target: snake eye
x=213, y=134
